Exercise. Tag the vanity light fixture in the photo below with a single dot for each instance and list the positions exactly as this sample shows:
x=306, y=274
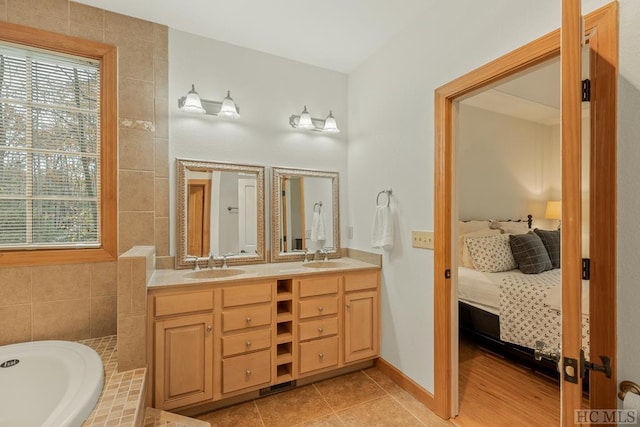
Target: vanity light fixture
x=305, y=121
x=193, y=104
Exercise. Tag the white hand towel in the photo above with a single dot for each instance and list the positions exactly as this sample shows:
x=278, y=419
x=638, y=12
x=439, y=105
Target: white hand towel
x=382, y=233
x=317, y=227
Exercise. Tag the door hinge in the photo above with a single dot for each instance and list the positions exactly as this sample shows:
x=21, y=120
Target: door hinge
x=283, y=193
x=447, y=274
x=586, y=269
x=586, y=90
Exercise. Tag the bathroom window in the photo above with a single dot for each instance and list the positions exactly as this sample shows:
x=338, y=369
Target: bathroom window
x=57, y=162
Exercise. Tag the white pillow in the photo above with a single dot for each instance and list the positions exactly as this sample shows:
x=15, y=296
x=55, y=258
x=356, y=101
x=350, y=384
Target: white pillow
x=464, y=257
x=466, y=227
x=491, y=254
x=511, y=227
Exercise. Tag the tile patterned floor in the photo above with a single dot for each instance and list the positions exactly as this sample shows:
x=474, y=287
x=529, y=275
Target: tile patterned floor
x=363, y=398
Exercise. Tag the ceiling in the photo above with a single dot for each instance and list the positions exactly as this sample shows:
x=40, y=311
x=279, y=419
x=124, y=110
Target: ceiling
x=333, y=34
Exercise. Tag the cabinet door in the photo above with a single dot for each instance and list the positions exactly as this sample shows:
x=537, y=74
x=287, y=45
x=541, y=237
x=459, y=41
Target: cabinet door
x=361, y=337
x=184, y=361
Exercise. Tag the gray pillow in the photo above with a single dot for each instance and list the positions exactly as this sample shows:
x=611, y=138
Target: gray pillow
x=551, y=240
x=529, y=253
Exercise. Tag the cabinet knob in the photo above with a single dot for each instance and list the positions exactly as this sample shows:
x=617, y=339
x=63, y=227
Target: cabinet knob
x=248, y=372
x=248, y=319
x=348, y=305
x=321, y=356
x=209, y=328
x=248, y=344
x=320, y=309
x=320, y=330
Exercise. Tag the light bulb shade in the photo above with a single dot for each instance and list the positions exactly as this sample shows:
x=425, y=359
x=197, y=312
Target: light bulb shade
x=330, y=124
x=228, y=108
x=192, y=103
x=554, y=209
x=305, y=121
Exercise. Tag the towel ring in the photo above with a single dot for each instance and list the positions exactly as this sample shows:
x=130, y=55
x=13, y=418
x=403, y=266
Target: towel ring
x=388, y=193
x=318, y=205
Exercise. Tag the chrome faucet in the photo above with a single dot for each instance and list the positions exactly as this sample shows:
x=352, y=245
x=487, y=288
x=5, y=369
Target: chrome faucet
x=211, y=262
x=224, y=260
x=196, y=267
x=325, y=252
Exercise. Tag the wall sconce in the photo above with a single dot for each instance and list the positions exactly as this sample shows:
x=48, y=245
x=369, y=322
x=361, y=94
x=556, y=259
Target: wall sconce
x=305, y=121
x=193, y=104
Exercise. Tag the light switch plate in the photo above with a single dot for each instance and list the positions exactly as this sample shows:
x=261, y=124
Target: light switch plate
x=422, y=239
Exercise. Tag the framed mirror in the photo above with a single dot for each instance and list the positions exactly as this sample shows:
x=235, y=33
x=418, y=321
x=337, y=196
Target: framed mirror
x=220, y=211
x=305, y=215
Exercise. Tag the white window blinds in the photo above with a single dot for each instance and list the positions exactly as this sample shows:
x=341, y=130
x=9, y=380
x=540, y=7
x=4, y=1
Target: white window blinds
x=49, y=150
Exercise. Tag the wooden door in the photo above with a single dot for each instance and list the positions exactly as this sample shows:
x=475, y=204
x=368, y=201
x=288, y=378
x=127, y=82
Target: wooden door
x=184, y=361
x=360, y=325
x=199, y=217
x=247, y=216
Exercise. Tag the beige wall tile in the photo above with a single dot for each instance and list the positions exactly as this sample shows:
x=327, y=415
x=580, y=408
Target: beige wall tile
x=26, y=16
x=124, y=287
x=162, y=158
x=160, y=41
x=162, y=236
x=15, y=286
x=138, y=286
x=126, y=25
x=137, y=190
x=136, y=149
x=58, y=9
x=84, y=15
x=61, y=282
x=136, y=228
x=3, y=11
x=162, y=117
x=103, y=316
x=165, y=262
x=49, y=324
x=16, y=324
x=85, y=32
x=135, y=56
x=136, y=99
x=132, y=341
x=104, y=279
x=161, y=78
x=162, y=197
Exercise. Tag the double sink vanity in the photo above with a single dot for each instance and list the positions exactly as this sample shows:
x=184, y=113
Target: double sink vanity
x=217, y=335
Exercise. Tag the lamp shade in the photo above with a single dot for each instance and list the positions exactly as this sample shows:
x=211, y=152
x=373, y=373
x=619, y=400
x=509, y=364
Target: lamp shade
x=192, y=103
x=330, y=124
x=228, y=108
x=554, y=209
x=305, y=121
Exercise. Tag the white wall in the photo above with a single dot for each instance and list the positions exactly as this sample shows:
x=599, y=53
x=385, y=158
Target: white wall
x=391, y=144
x=268, y=89
x=628, y=194
x=507, y=167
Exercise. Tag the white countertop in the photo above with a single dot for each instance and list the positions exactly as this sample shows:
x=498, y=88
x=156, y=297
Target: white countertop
x=161, y=278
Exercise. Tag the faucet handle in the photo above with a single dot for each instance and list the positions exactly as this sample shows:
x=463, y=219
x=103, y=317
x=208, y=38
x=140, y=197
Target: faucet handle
x=196, y=267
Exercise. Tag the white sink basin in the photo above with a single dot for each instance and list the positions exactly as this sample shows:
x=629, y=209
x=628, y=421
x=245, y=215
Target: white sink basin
x=324, y=264
x=214, y=274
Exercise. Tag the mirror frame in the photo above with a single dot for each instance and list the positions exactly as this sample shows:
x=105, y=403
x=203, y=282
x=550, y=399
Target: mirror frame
x=182, y=168
x=276, y=190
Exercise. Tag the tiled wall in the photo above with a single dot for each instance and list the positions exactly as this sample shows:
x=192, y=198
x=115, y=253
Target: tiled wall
x=80, y=301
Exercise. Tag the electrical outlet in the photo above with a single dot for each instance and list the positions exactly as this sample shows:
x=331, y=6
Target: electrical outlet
x=422, y=239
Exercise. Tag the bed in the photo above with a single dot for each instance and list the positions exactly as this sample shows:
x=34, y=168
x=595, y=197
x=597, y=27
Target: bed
x=508, y=311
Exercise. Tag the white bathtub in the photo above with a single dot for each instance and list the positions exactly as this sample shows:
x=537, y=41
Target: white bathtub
x=53, y=384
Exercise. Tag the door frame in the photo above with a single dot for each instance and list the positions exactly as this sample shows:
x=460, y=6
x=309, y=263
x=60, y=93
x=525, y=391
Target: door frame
x=604, y=69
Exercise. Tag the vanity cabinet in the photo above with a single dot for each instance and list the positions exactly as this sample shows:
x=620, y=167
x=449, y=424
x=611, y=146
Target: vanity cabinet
x=213, y=341
x=183, y=349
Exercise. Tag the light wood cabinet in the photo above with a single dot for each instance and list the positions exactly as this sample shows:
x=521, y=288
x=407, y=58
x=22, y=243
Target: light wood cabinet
x=225, y=340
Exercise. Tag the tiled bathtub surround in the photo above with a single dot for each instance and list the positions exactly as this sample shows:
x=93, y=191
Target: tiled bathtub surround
x=75, y=302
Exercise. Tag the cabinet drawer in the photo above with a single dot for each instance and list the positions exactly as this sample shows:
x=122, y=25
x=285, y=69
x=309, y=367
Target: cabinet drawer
x=359, y=281
x=318, y=286
x=246, y=371
x=318, y=306
x=318, y=328
x=183, y=303
x=246, y=317
x=318, y=354
x=250, y=341
x=249, y=294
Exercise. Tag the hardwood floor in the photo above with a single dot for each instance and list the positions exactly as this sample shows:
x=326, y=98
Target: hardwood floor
x=497, y=392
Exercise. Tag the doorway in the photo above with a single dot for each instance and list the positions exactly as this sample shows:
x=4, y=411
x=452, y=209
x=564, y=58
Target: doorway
x=602, y=202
